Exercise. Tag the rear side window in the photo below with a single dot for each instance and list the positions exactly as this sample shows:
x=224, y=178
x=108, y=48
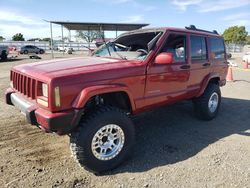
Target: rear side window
x=217, y=48
x=198, y=48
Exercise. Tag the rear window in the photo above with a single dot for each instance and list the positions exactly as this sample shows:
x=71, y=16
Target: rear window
x=198, y=48
x=217, y=48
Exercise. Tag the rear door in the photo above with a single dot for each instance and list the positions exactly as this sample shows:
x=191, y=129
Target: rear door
x=200, y=64
x=218, y=56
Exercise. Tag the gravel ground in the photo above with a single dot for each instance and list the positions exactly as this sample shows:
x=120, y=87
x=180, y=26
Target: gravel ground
x=173, y=148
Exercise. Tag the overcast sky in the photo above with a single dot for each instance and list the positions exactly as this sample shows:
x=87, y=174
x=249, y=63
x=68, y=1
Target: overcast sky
x=26, y=16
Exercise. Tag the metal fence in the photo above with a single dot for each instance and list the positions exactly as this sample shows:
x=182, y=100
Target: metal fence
x=234, y=48
x=46, y=45
x=79, y=46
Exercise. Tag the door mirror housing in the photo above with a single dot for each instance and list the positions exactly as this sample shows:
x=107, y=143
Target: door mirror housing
x=164, y=58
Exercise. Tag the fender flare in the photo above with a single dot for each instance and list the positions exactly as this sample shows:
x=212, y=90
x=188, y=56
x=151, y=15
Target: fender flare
x=205, y=82
x=91, y=91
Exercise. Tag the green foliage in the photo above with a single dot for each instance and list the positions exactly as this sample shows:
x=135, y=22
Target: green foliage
x=235, y=34
x=248, y=39
x=2, y=38
x=39, y=39
x=47, y=39
x=18, y=37
x=34, y=39
x=89, y=36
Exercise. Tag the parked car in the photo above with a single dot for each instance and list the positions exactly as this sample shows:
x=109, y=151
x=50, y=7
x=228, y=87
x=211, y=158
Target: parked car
x=4, y=52
x=246, y=57
x=31, y=49
x=91, y=99
x=64, y=48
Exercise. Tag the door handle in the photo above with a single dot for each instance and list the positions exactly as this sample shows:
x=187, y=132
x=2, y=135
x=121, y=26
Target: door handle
x=185, y=67
x=206, y=64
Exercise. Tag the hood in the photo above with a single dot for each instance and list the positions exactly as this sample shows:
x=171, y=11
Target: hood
x=70, y=66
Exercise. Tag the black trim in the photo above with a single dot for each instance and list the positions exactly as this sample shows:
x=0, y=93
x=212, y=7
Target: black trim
x=193, y=28
x=65, y=124
x=7, y=99
x=31, y=118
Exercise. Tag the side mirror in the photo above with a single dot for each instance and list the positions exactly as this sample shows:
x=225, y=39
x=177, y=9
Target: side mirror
x=164, y=58
x=229, y=55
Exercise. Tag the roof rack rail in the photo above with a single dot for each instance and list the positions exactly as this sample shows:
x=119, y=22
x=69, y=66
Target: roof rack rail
x=192, y=27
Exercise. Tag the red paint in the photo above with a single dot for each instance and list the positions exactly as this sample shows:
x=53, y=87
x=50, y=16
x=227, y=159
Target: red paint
x=148, y=84
x=164, y=58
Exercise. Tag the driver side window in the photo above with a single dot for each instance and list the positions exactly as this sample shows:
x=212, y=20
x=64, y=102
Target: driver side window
x=176, y=44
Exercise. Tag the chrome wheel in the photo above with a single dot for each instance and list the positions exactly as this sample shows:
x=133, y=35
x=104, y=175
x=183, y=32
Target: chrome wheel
x=213, y=102
x=107, y=142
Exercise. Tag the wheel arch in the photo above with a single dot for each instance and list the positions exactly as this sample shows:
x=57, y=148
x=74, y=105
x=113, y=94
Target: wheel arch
x=107, y=91
x=212, y=78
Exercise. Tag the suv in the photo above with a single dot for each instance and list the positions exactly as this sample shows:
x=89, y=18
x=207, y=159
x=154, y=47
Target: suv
x=31, y=49
x=92, y=98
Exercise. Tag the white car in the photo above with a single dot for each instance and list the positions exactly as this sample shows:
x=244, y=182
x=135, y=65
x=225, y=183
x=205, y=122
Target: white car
x=246, y=57
x=64, y=48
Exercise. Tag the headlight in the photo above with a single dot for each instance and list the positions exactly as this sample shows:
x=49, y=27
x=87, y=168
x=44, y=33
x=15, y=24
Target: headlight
x=11, y=84
x=45, y=90
x=42, y=97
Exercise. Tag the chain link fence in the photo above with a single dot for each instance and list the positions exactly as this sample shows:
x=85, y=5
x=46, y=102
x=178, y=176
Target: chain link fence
x=235, y=48
x=77, y=46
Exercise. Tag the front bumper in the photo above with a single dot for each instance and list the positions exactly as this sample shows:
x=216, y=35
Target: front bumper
x=60, y=122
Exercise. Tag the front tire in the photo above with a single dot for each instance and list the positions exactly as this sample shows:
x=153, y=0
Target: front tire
x=103, y=140
x=207, y=105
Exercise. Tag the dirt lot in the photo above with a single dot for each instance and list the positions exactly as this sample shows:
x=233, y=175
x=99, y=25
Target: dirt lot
x=173, y=148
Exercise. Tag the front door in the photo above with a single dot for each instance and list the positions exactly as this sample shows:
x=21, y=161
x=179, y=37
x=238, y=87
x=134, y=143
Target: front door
x=167, y=83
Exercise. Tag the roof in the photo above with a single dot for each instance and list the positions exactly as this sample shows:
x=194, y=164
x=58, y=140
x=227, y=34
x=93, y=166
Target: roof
x=96, y=26
x=174, y=29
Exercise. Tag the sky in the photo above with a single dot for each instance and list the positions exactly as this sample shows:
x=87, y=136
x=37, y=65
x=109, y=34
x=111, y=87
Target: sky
x=26, y=16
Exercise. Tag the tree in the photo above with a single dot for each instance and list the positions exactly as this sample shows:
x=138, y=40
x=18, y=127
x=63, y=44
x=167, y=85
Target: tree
x=34, y=39
x=2, y=38
x=248, y=39
x=89, y=36
x=235, y=34
x=18, y=37
x=47, y=39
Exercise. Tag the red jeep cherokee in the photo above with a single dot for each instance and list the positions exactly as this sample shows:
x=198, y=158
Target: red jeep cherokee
x=91, y=98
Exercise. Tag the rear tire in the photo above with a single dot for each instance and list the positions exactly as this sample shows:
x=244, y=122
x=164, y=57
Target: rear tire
x=96, y=133
x=207, y=105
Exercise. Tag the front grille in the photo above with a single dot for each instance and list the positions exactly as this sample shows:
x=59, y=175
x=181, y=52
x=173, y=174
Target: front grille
x=24, y=84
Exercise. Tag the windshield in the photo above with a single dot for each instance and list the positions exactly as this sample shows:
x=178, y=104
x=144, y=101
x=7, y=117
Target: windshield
x=132, y=47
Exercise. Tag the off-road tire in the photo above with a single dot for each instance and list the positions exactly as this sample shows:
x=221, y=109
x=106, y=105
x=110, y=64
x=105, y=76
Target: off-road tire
x=201, y=108
x=81, y=138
